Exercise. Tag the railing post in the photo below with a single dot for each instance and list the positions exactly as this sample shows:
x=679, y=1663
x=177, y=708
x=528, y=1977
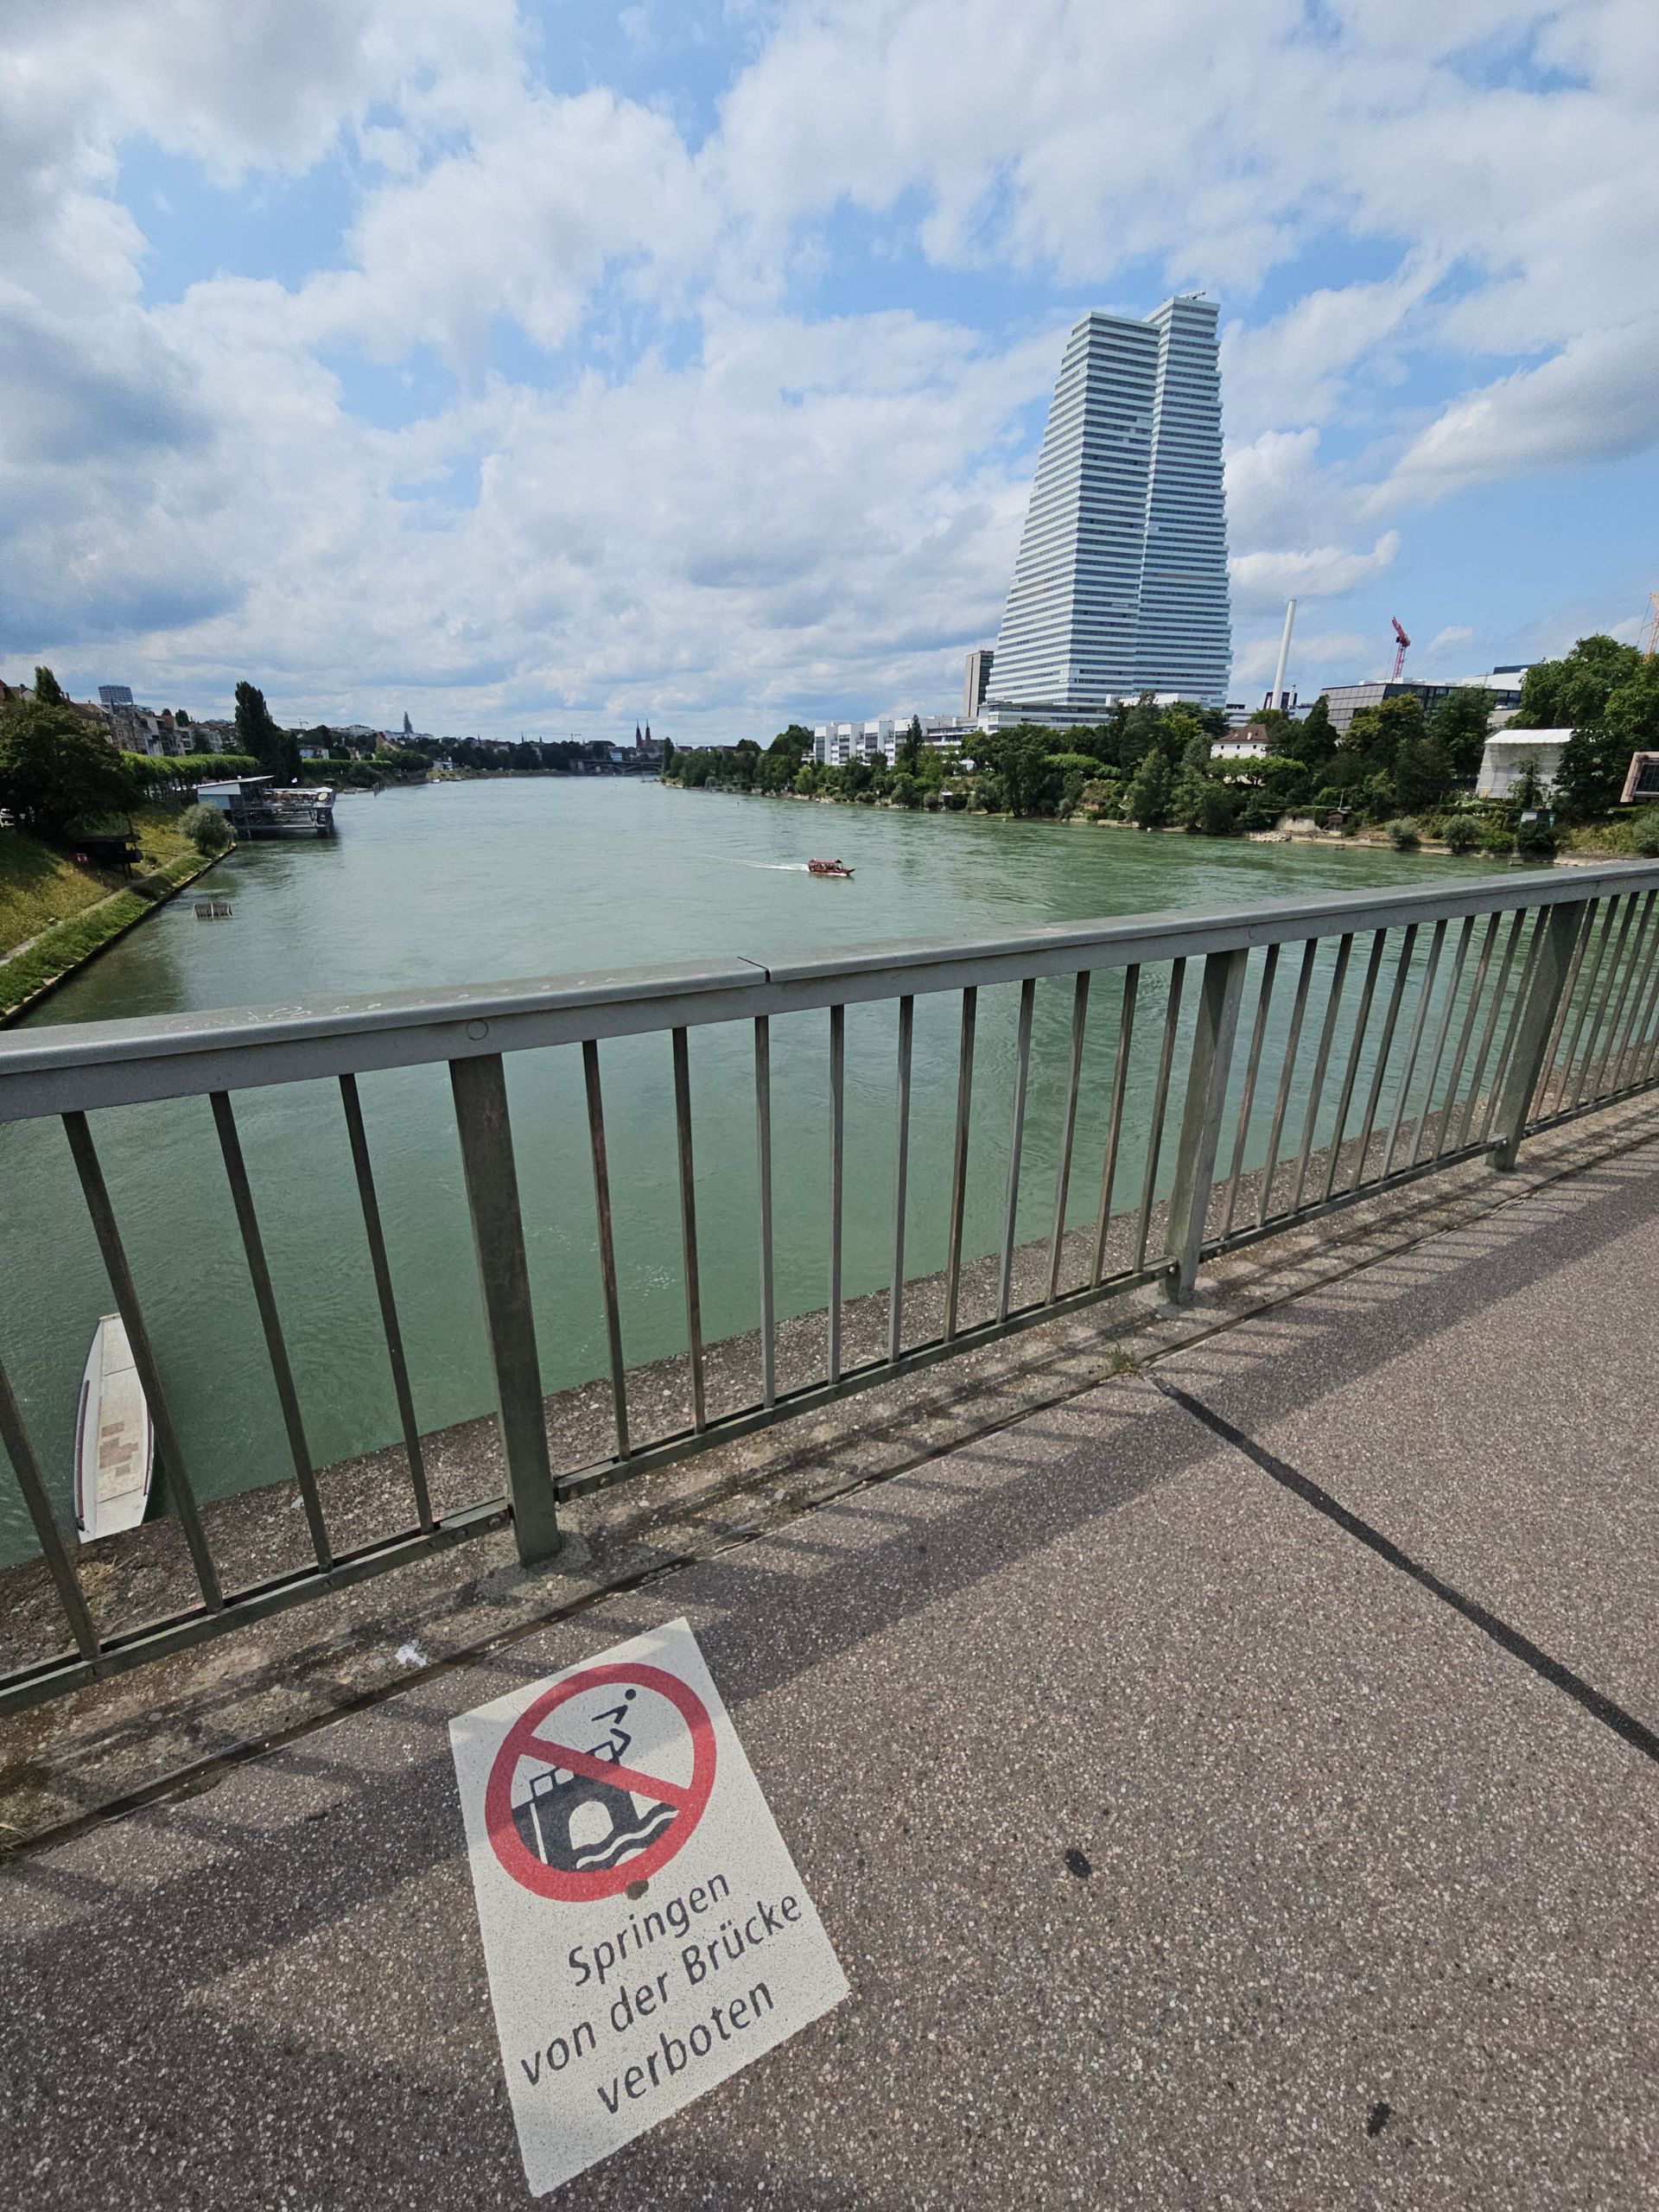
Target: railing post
x=1206, y=1099
x=481, y=1094
x=1534, y=1027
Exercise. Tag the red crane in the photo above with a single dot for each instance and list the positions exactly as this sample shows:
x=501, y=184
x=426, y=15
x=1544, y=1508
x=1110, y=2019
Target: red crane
x=1399, y=656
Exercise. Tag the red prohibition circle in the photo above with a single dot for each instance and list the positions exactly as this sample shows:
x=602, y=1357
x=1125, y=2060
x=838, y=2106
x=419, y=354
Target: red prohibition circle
x=522, y=1742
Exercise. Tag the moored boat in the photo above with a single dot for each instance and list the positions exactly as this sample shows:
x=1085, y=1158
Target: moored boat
x=828, y=867
x=115, y=1438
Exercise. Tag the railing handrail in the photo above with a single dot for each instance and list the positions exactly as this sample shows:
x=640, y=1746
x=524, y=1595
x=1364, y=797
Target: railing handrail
x=1440, y=1041
x=74, y=1067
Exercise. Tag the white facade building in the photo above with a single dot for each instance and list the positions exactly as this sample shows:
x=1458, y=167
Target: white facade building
x=834, y=744
x=1121, y=583
x=1511, y=751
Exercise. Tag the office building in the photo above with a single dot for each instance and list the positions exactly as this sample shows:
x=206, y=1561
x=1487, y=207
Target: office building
x=978, y=683
x=1121, y=583
x=1345, y=700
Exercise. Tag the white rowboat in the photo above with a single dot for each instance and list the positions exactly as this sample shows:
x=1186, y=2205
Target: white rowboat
x=115, y=1440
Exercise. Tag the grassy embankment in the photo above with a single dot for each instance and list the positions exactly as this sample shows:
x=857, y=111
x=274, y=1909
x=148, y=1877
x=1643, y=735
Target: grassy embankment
x=54, y=915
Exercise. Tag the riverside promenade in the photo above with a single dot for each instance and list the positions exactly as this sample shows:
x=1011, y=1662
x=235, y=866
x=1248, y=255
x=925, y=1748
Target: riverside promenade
x=1230, y=1784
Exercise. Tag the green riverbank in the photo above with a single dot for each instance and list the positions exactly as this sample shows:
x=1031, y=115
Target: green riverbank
x=56, y=915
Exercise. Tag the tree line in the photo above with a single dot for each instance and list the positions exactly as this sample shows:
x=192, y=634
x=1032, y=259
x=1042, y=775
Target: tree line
x=1154, y=765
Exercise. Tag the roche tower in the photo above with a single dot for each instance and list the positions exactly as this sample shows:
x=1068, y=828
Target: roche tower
x=1121, y=584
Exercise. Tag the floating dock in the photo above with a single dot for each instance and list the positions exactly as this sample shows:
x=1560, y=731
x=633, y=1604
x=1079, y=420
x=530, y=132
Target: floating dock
x=255, y=806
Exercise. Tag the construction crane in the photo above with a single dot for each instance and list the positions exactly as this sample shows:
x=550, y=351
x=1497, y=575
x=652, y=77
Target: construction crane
x=1650, y=627
x=1400, y=655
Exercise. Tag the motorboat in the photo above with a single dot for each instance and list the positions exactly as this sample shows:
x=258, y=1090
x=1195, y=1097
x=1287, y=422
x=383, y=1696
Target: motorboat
x=115, y=1438
x=828, y=867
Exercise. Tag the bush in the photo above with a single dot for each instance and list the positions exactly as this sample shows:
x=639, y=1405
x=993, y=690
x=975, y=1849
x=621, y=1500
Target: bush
x=1463, y=834
x=1643, y=830
x=206, y=828
x=1404, y=834
x=152, y=886
x=1535, y=840
x=1496, y=843
x=1217, y=810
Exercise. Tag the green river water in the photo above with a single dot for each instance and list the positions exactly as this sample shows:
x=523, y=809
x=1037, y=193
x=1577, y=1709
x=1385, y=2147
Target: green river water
x=469, y=882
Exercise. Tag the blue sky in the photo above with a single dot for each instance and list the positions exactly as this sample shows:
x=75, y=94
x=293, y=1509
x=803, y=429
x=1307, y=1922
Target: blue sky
x=552, y=366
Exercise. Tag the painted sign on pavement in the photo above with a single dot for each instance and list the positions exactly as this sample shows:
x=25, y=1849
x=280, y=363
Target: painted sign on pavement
x=646, y=1931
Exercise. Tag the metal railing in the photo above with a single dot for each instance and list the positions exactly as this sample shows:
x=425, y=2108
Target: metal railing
x=1251, y=1069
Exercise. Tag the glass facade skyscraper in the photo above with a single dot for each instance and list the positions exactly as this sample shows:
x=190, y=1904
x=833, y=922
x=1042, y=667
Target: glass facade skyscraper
x=1121, y=584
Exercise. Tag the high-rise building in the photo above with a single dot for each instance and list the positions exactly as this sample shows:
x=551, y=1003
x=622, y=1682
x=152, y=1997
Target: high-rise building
x=978, y=681
x=1121, y=583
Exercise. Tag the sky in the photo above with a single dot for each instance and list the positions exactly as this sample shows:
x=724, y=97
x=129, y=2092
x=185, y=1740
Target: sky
x=542, y=367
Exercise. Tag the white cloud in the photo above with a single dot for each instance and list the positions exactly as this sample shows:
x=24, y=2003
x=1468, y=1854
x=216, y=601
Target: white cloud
x=740, y=507
x=1455, y=634
x=1323, y=572
x=1597, y=400
x=1300, y=367
x=524, y=224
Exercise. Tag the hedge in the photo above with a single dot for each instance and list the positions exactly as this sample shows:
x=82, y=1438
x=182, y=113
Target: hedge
x=190, y=768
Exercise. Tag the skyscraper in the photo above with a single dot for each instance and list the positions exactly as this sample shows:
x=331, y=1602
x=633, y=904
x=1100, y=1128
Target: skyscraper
x=1121, y=583
x=977, y=682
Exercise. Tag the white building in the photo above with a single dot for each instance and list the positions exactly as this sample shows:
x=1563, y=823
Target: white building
x=1510, y=751
x=834, y=744
x=1121, y=583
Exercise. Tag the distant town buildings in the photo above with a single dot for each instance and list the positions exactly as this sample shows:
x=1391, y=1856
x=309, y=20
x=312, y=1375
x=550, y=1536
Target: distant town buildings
x=1121, y=583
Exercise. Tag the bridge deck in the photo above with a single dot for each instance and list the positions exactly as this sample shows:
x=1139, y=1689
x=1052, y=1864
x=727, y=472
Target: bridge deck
x=1239, y=1799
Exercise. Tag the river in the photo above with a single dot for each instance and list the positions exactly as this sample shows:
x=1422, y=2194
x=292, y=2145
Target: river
x=469, y=882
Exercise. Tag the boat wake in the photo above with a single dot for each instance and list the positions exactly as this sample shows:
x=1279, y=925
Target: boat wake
x=777, y=867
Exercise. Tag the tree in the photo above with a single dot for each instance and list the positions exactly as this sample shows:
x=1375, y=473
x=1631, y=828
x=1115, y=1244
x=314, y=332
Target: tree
x=181, y=718
x=1311, y=740
x=1150, y=792
x=49, y=691
x=1526, y=791
x=668, y=755
x=1018, y=759
x=1422, y=774
x=1458, y=725
x=276, y=751
x=1632, y=715
x=56, y=771
x=1573, y=692
x=1140, y=730
x=1282, y=783
x=910, y=749
x=206, y=828
x=1594, y=763
x=1192, y=784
